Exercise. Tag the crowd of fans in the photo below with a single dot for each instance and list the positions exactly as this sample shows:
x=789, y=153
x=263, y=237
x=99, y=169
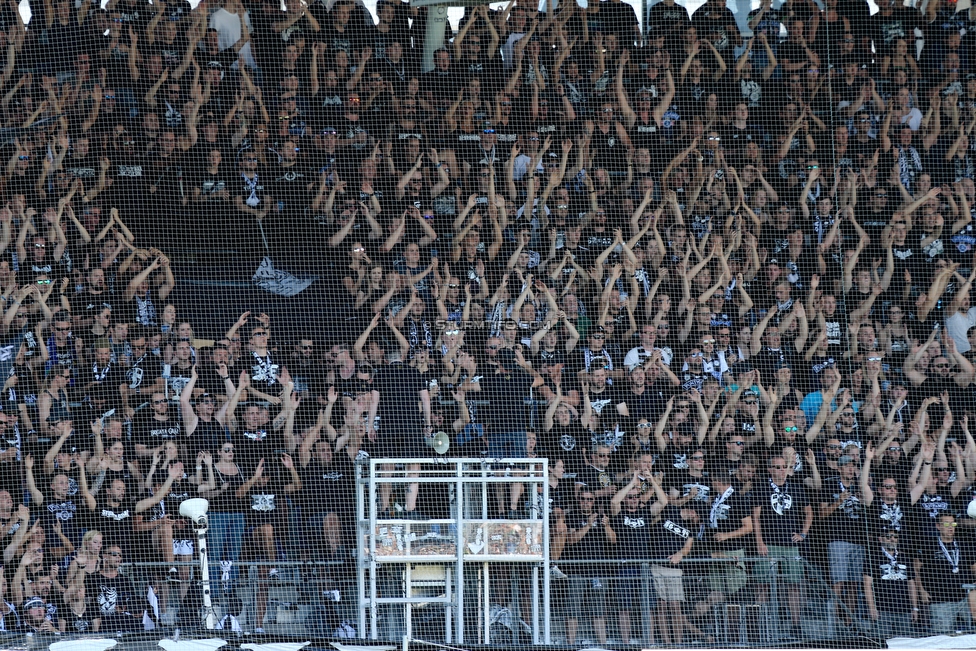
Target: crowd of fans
x=704, y=270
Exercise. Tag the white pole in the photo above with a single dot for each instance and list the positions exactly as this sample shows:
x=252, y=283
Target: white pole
x=434, y=38
x=210, y=621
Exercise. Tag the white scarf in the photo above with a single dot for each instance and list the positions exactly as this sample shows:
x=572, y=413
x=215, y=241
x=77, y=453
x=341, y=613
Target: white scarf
x=717, y=507
x=252, y=185
x=953, y=557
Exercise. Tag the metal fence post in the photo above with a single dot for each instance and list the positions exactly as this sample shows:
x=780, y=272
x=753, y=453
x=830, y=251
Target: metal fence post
x=645, y=593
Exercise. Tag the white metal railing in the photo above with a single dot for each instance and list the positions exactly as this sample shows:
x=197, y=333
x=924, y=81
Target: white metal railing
x=401, y=557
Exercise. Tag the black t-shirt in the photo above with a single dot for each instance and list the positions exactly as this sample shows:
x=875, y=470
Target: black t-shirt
x=634, y=533
x=507, y=393
x=891, y=516
x=143, y=371
x=250, y=446
x=724, y=515
x=264, y=504
x=604, y=403
x=65, y=511
x=674, y=458
x=938, y=562
x=328, y=489
x=114, y=596
x=926, y=512
x=264, y=373
x=209, y=435
x=715, y=20
x=115, y=522
x=593, y=546
x=681, y=480
x=670, y=533
x=847, y=522
x=144, y=310
x=211, y=184
x=595, y=479
x=566, y=443
x=152, y=433
x=665, y=19
x=900, y=25
x=890, y=573
x=288, y=187
x=399, y=387
x=782, y=511
x=103, y=382
x=648, y=405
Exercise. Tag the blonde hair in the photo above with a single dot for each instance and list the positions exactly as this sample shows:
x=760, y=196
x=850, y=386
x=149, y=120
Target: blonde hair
x=89, y=535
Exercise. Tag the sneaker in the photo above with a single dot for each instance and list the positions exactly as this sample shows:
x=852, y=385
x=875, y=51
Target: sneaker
x=174, y=575
x=168, y=619
x=258, y=630
x=273, y=573
x=557, y=573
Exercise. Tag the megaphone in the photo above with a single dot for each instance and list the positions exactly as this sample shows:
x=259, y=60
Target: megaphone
x=196, y=510
x=439, y=442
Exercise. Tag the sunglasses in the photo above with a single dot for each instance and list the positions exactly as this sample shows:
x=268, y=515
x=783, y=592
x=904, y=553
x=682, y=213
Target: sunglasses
x=738, y=443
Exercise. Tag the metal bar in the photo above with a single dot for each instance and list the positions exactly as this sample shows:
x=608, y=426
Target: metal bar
x=447, y=610
x=645, y=600
x=374, y=615
x=360, y=566
x=459, y=501
x=535, y=604
x=408, y=606
x=486, y=600
x=546, y=577
x=412, y=600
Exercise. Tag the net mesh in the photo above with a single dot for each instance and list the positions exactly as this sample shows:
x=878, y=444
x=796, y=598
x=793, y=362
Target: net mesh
x=712, y=263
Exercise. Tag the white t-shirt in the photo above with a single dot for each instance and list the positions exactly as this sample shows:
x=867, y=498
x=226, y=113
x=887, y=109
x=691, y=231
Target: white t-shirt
x=640, y=354
x=958, y=326
x=228, y=28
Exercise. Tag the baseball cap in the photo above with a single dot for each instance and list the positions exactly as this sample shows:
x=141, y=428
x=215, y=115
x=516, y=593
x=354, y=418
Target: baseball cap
x=34, y=602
